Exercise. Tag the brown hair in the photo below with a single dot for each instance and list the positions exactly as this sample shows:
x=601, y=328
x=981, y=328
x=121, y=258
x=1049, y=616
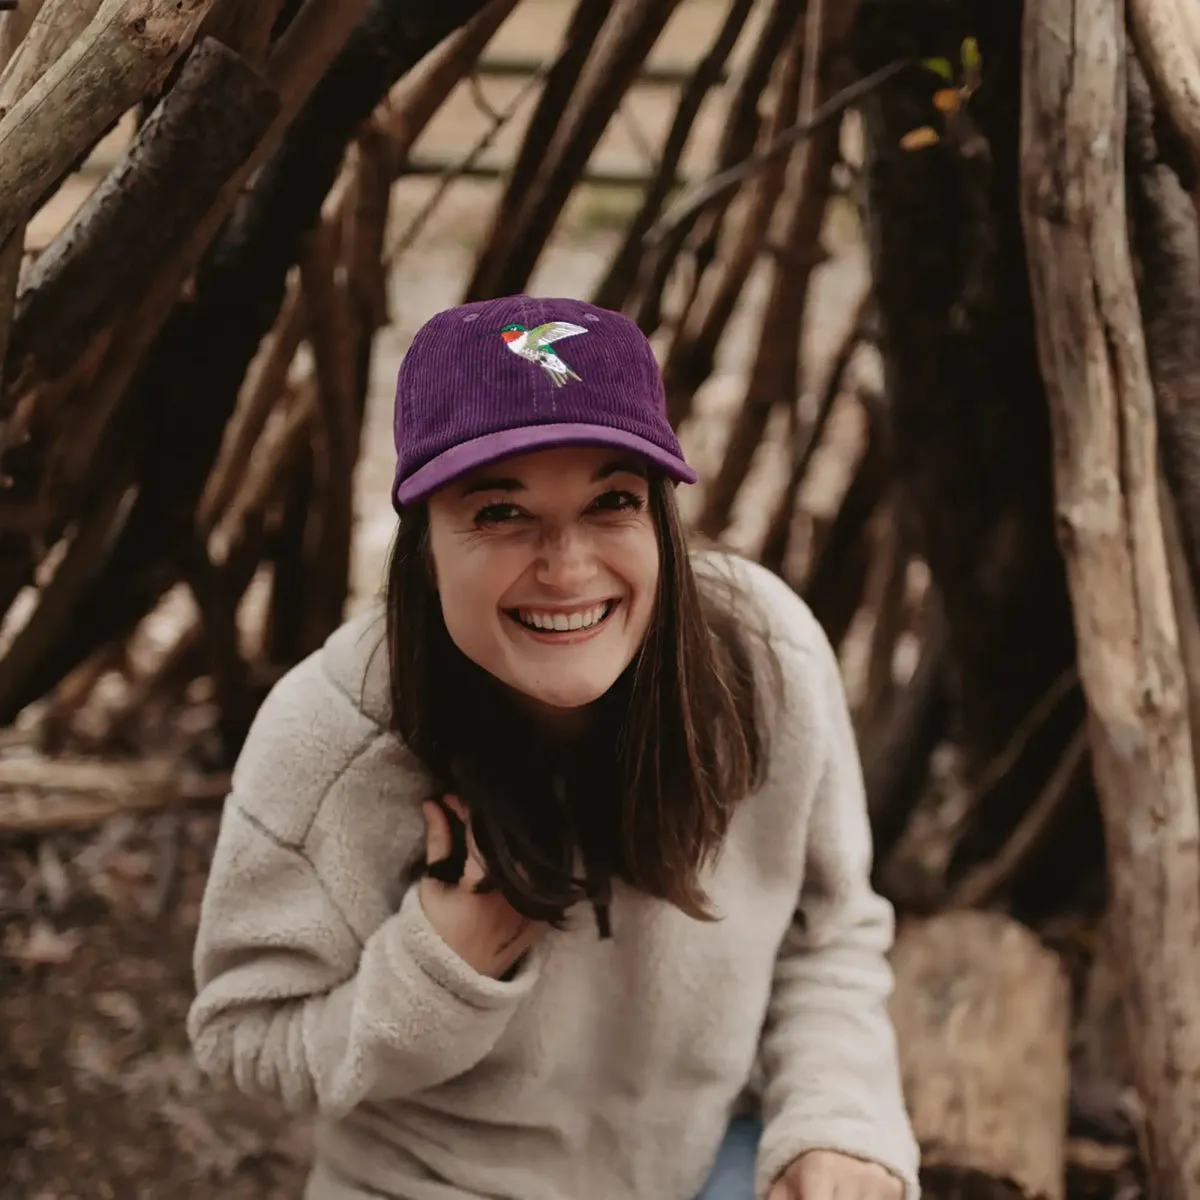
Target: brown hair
x=675, y=745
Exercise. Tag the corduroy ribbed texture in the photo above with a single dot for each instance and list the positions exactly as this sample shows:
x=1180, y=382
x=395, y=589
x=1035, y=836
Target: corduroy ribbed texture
x=465, y=398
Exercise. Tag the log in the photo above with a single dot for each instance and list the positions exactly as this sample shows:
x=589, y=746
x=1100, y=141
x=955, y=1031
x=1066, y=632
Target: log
x=127, y=49
x=39, y=796
x=205, y=129
x=52, y=29
x=982, y=1012
x=1101, y=400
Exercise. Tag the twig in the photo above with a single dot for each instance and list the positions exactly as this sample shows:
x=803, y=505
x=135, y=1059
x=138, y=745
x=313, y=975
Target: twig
x=404, y=241
x=690, y=358
x=896, y=751
x=887, y=593
x=999, y=766
x=262, y=388
x=619, y=281
x=627, y=38
x=739, y=136
x=562, y=78
x=983, y=883
x=807, y=441
x=725, y=182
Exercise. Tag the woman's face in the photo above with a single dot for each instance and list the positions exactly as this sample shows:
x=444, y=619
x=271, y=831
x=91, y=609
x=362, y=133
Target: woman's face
x=547, y=568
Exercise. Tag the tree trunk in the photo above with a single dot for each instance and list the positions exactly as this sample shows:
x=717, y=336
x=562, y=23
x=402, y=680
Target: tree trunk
x=1106, y=468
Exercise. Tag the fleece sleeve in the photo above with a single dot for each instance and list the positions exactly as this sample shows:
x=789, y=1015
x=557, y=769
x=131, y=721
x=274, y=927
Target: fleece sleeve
x=829, y=1055
x=310, y=988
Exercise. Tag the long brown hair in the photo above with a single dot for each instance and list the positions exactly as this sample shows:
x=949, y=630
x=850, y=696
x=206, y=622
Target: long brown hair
x=648, y=795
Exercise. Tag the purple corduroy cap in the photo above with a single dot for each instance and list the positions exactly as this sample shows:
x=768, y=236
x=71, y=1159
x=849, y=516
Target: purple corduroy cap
x=487, y=380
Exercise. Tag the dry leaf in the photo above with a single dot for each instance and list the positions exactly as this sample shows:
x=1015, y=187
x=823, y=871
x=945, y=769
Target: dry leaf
x=43, y=945
x=920, y=138
x=947, y=100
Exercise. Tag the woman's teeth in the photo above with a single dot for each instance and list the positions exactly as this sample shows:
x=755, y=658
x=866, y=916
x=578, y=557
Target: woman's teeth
x=564, y=622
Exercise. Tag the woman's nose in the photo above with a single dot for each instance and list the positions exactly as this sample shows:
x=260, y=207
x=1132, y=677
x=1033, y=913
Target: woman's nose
x=566, y=563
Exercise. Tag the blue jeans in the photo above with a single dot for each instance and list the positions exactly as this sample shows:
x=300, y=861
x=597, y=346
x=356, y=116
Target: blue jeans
x=732, y=1176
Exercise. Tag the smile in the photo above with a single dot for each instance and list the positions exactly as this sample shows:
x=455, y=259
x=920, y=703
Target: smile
x=545, y=621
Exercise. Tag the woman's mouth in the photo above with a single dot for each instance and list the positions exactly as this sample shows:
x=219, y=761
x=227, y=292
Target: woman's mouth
x=556, y=624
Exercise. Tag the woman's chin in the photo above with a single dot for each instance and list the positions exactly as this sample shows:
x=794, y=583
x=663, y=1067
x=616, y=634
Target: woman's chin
x=565, y=697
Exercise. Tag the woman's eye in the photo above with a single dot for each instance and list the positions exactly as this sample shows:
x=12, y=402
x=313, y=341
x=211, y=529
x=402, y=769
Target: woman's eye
x=618, y=502
x=494, y=514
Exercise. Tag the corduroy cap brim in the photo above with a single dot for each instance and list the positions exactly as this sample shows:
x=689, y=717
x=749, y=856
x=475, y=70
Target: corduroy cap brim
x=498, y=378
x=469, y=456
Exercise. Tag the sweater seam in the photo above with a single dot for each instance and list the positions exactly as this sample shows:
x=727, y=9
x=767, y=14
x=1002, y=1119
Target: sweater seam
x=300, y=853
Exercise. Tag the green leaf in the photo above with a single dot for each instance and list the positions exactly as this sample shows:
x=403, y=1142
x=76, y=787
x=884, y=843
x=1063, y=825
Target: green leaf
x=939, y=66
x=972, y=60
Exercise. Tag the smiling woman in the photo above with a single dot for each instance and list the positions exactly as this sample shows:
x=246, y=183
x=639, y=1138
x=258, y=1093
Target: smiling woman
x=560, y=552
x=573, y=713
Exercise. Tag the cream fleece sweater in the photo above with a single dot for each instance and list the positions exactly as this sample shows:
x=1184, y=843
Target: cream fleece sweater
x=605, y=1070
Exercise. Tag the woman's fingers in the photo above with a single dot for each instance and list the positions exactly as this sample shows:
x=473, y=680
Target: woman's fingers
x=474, y=870
x=438, y=842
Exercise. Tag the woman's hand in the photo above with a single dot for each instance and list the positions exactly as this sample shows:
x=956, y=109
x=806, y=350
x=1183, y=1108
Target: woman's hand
x=485, y=931
x=823, y=1175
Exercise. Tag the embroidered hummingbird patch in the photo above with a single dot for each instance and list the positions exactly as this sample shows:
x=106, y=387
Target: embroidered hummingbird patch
x=536, y=346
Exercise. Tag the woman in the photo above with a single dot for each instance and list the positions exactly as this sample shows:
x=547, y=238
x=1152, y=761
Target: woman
x=551, y=881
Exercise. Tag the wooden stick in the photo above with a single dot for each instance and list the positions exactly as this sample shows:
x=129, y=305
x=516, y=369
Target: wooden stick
x=418, y=97
x=126, y=50
x=775, y=375
x=887, y=597
x=1105, y=469
x=711, y=190
x=1167, y=36
x=243, y=25
x=896, y=750
x=52, y=28
x=982, y=1016
x=94, y=792
x=738, y=137
x=34, y=37
x=15, y=20
x=692, y=352
x=808, y=440
x=625, y=41
x=81, y=564
x=983, y=883
x=587, y=20
x=838, y=573
x=265, y=383
x=614, y=290
x=336, y=434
